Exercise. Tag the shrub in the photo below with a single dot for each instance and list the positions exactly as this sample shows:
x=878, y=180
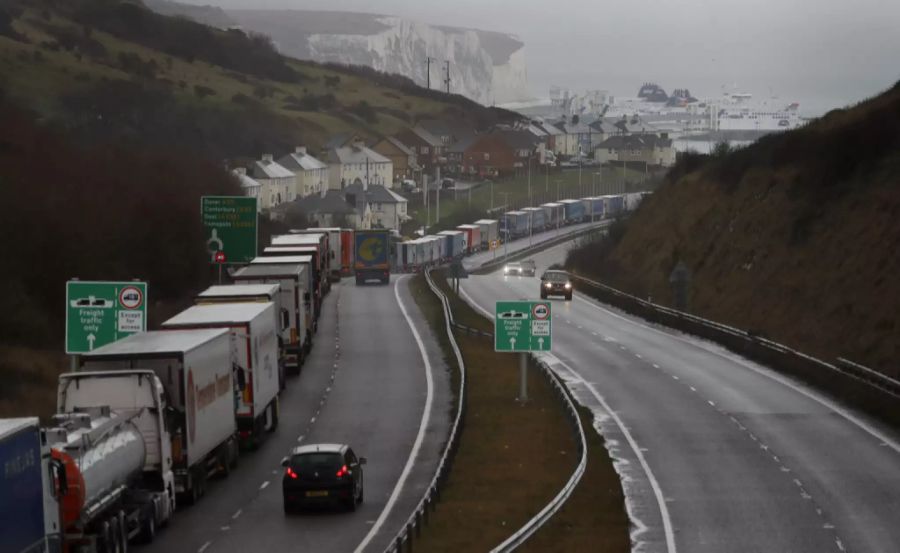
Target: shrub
x=202, y=92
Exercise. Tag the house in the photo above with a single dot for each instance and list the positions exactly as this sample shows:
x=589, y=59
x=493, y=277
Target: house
x=358, y=164
x=455, y=156
x=576, y=140
x=403, y=158
x=500, y=153
x=329, y=208
x=277, y=183
x=250, y=187
x=555, y=136
x=650, y=149
x=600, y=130
x=388, y=209
x=428, y=148
x=310, y=174
x=449, y=132
x=339, y=140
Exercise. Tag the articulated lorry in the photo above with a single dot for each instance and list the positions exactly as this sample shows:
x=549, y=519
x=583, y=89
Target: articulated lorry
x=196, y=370
x=254, y=345
x=294, y=273
x=372, y=256
x=290, y=337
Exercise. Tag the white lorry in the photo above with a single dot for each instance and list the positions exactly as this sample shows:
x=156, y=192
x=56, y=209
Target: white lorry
x=254, y=350
x=284, y=318
x=293, y=277
x=196, y=371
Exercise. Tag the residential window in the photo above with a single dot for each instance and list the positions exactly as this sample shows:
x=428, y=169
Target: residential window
x=487, y=156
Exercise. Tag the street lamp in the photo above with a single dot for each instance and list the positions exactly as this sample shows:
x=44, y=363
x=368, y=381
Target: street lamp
x=506, y=237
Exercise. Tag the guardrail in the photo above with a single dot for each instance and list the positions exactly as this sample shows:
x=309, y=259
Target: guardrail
x=869, y=390
x=419, y=517
x=530, y=527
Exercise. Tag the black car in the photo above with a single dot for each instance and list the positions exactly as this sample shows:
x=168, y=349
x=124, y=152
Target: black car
x=322, y=474
x=556, y=283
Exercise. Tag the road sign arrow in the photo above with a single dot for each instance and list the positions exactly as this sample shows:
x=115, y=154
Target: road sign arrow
x=512, y=343
x=540, y=343
x=90, y=339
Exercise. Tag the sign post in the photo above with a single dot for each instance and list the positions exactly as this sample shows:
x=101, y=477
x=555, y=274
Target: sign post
x=99, y=313
x=522, y=326
x=231, y=227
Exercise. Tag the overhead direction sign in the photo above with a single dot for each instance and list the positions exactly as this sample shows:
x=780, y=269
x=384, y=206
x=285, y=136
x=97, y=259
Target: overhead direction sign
x=231, y=226
x=522, y=326
x=99, y=313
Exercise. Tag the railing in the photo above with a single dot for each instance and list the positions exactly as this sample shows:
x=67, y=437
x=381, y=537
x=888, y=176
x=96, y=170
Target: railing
x=419, y=517
x=867, y=389
x=518, y=254
x=530, y=527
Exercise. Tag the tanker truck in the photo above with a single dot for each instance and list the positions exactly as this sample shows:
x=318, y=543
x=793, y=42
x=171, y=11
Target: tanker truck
x=116, y=482
x=196, y=369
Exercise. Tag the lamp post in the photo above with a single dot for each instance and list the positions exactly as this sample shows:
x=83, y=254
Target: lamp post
x=506, y=237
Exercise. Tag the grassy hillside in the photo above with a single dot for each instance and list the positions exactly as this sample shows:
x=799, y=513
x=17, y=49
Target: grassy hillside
x=795, y=237
x=114, y=68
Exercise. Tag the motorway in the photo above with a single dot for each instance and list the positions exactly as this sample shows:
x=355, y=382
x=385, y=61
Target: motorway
x=366, y=383
x=717, y=454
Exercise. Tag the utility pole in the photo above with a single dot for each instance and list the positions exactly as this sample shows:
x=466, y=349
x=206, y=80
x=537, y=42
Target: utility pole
x=447, y=78
x=506, y=237
x=437, y=180
x=428, y=61
x=427, y=204
x=580, y=189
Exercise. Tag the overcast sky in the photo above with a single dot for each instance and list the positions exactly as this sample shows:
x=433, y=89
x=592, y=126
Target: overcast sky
x=823, y=53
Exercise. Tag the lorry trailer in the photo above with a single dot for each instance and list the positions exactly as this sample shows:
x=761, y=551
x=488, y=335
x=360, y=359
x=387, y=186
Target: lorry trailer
x=196, y=369
x=372, y=256
x=255, y=345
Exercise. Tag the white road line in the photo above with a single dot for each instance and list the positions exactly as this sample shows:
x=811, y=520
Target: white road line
x=655, y=366
x=423, y=425
x=639, y=453
x=264, y=485
x=236, y=514
x=768, y=373
x=204, y=546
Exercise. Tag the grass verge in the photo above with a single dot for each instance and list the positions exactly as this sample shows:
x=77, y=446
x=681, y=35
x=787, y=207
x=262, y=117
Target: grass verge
x=512, y=460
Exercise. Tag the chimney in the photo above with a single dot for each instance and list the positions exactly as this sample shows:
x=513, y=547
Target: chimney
x=358, y=144
x=240, y=171
x=300, y=150
x=267, y=158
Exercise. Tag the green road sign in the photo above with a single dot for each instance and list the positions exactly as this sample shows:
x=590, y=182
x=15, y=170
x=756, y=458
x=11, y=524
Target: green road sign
x=522, y=326
x=230, y=223
x=99, y=313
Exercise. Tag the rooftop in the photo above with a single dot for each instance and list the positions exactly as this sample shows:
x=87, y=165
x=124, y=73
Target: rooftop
x=356, y=153
x=159, y=341
x=217, y=313
x=240, y=291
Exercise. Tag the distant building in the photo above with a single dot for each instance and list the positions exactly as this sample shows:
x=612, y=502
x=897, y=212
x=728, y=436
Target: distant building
x=250, y=187
x=428, y=148
x=328, y=209
x=500, y=153
x=358, y=164
x=649, y=149
x=576, y=140
x=310, y=174
x=403, y=158
x=277, y=183
x=388, y=209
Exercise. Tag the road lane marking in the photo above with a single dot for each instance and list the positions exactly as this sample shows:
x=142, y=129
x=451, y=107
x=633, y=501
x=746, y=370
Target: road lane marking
x=639, y=453
x=423, y=425
x=768, y=373
x=264, y=485
x=204, y=546
x=236, y=514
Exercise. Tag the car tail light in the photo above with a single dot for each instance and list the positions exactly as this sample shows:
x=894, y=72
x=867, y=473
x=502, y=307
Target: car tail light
x=343, y=472
x=290, y=472
x=568, y=286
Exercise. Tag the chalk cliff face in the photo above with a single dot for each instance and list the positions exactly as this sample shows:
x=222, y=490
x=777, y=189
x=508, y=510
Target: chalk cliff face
x=485, y=66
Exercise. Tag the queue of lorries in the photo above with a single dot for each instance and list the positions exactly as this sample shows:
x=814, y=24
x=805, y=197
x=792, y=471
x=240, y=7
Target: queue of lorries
x=144, y=422
x=486, y=234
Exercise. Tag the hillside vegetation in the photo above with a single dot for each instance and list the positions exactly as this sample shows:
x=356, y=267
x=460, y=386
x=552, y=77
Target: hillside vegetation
x=114, y=68
x=795, y=237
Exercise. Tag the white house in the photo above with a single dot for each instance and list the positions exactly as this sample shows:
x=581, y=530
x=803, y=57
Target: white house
x=358, y=164
x=311, y=175
x=250, y=187
x=576, y=140
x=388, y=208
x=647, y=148
x=277, y=183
